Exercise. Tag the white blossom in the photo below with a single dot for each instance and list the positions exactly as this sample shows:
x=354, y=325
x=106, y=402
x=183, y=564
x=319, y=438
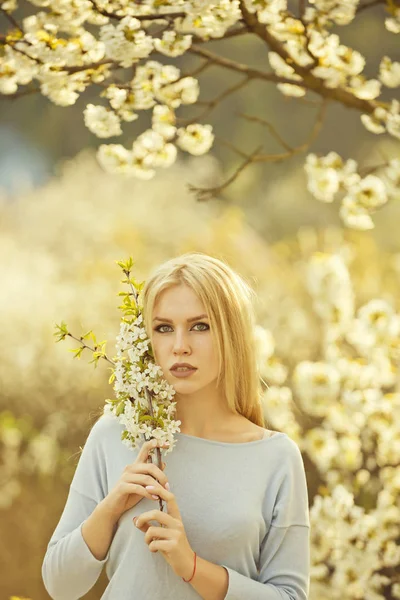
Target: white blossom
x=163, y=121
x=355, y=215
x=127, y=42
x=392, y=23
x=369, y=192
x=195, y=138
x=325, y=175
x=102, y=121
x=389, y=72
x=365, y=89
x=172, y=43
x=184, y=91
x=393, y=119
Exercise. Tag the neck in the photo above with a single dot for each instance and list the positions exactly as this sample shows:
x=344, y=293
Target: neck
x=202, y=414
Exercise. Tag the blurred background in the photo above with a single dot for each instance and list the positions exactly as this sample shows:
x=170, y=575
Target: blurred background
x=64, y=223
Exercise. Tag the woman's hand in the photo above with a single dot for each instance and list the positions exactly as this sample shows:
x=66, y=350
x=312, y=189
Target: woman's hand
x=130, y=488
x=170, y=539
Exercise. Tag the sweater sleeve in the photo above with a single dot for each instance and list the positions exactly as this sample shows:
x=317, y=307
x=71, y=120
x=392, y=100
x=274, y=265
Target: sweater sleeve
x=69, y=569
x=284, y=565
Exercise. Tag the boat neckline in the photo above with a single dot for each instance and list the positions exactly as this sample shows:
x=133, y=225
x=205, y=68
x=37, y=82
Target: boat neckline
x=277, y=434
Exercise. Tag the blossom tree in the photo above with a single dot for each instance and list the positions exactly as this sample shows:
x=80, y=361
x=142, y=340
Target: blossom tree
x=67, y=46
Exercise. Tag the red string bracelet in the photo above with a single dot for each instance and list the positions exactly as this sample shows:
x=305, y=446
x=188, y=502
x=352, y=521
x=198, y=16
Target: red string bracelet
x=194, y=570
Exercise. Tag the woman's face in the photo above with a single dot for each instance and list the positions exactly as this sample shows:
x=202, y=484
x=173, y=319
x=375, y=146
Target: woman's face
x=181, y=334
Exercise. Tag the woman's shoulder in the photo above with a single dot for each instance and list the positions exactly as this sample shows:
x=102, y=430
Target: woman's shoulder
x=106, y=429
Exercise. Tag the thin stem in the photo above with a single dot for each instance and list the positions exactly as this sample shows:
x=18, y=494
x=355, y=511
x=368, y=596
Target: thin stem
x=91, y=349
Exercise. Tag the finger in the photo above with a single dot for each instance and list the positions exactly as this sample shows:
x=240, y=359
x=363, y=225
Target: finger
x=144, y=481
x=127, y=487
x=152, y=470
x=161, y=533
x=147, y=448
x=162, y=545
x=142, y=521
x=169, y=497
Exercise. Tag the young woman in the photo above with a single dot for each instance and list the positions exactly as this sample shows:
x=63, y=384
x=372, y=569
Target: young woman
x=236, y=525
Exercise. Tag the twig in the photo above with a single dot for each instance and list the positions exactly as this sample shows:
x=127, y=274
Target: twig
x=206, y=64
x=271, y=128
x=204, y=194
x=230, y=146
x=210, y=105
x=239, y=67
x=12, y=20
x=296, y=150
x=91, y=349
x=370, y=4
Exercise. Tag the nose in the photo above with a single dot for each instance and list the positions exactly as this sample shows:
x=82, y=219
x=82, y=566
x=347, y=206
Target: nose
x=181, y=344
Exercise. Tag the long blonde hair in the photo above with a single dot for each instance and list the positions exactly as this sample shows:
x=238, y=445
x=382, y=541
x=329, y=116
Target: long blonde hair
x=228, y=300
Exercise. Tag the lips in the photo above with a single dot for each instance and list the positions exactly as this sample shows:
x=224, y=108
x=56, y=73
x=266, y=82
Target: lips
x=177, y=365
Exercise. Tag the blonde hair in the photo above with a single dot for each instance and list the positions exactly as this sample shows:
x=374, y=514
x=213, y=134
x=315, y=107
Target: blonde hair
x=228, y=300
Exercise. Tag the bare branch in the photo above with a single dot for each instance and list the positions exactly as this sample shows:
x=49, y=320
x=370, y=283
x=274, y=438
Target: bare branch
x=206, y=64
x=10, y=18
x=370, y=4
x=271, y=128
x=311, y=138
x=204, y=194
x=230, y=146
x=239, y=67
x=210, y=105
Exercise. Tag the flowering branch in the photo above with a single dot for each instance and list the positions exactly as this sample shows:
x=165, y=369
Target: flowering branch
x=143, y=401
x=304, y=56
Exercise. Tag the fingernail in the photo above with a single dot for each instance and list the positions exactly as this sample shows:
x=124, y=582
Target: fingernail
x=167, y=486
x=150, y=487
x=154, y=497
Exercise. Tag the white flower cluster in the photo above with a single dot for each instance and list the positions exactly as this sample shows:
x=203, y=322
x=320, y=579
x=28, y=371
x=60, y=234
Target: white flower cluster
x=268, y=11
x=348, y=541
x=392, y=23
x=323, y=11
x=55, y=48
x=209, y=19
x=126, y=43
x=135, y=372
x=361, y=351
x=361, y=196
x=384, y=119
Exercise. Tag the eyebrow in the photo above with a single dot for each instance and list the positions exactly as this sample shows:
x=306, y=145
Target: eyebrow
x=188, y=320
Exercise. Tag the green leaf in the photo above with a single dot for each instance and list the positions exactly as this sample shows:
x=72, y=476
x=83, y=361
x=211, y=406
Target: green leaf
x=120, y=408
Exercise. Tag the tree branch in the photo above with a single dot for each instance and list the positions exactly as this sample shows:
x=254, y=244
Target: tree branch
x=210, y=105
x=297, y=149
x=370, y=4
x=13, y=22
x=309, y=81
x=239, y=67
x=203, y=194
x=270, y=127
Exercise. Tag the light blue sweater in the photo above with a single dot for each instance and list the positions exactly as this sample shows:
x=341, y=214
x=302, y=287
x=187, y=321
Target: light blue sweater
x=244, y=506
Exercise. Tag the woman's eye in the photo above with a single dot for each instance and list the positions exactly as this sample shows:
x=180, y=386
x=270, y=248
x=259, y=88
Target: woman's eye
x=206, y=326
